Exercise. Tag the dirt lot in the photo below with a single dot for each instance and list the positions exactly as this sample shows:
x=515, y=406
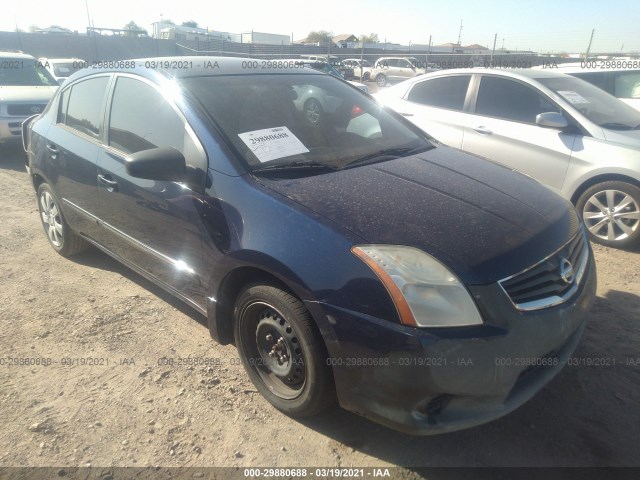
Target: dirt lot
x=131, y=411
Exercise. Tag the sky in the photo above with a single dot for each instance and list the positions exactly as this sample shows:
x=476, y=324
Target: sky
x=538, y=25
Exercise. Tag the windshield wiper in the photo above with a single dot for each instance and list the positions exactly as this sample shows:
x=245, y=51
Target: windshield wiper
x=387, y=154
x=299, y=165
x=618, y=126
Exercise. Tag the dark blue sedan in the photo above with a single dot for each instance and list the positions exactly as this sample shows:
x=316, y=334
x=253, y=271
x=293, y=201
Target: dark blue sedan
x=346, y=254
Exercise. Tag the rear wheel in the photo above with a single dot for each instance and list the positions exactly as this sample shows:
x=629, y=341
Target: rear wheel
x=282, y=351
x=611, y=213
x=381, y=80
x=60, y=236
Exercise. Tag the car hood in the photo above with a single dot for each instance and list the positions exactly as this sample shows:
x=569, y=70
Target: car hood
x=26, y=93
x=482, y=220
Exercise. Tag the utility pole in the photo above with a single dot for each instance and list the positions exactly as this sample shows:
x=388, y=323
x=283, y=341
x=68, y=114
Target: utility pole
x=495, y=37
x=590, y=40
x=428, y=53
x=460, y=34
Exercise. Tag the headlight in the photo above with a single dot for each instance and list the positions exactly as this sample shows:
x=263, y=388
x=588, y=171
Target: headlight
x=424, y=291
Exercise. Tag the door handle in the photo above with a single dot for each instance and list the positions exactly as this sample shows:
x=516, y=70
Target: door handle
x=110, y=185
x=53, y=150
x=404, y=114
x=482, y=130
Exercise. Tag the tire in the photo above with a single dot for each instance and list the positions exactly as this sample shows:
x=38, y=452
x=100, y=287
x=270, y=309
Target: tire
x=381, y=80
x=295, y=378
x=366, y=76
x=313, y=112
x=60, y=236
x=611, y=213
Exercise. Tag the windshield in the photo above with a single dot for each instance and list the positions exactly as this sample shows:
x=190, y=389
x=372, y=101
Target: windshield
x=24, y=72
x=302, y=120
x=597, y=105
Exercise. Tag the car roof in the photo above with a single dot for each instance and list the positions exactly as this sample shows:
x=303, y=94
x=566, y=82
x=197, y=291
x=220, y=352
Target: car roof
x=198, y=66
x=17, y=55
x=528, y=73
x=61, y=59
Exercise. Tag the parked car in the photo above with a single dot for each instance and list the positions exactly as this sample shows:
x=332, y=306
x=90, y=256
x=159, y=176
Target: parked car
x=568, y=134
x=619, y=77
x=325, y=67
x=25, y=90
x=394, y=69
x=61, y=68
x=346, y=71
x=361, y=68
x=353, y=258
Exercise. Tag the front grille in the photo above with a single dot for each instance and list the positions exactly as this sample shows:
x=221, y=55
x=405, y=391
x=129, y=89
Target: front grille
x=551, y=281
x=25, y=108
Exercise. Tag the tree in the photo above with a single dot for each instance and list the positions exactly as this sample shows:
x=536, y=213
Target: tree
x=133, y=29
x=34, y=28
x=371, y=38
x=169, y=21
x=190, y=24
x=319, y=36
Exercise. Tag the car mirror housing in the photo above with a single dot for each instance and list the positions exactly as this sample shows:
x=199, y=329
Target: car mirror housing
x=164, y=163
x=551, y=120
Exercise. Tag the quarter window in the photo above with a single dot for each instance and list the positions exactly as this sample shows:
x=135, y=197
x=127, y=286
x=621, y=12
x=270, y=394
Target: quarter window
x=142, y=119
x=84, y=106
x=444, y=92
x=510, y=100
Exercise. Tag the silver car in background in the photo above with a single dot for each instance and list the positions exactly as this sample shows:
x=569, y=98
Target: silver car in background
x=566, y=133
x=62, y=68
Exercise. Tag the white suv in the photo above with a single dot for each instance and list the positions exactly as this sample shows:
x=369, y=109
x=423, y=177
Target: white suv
x=25, y=90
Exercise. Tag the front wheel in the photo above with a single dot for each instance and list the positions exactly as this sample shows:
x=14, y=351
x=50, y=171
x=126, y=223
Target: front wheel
x=282, y=351
x=60, y=236
x=611, y=213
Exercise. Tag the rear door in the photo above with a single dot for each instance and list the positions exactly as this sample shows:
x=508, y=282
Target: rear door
x=155, y=225
x=72, y=146
x=436, y=105
x=502, y=128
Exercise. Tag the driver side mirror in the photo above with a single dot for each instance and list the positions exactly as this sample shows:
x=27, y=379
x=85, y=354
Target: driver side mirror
x=551, y=120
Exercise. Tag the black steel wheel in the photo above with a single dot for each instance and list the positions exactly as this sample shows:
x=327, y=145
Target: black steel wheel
x=282, y=351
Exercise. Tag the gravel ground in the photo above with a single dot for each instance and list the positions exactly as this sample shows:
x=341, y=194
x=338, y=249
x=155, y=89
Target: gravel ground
x=126, y=409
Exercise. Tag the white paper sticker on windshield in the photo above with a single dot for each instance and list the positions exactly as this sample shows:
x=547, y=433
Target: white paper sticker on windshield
x=573, y=97
x=272, y=143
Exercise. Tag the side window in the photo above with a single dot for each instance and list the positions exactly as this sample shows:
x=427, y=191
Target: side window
x=627, y=84
x=511, y=100
x=405, y=63
x=443, y=92
x=84, y=105
x=142, y=119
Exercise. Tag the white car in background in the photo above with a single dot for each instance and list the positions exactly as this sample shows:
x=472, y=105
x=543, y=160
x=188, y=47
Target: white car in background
x=361, y=68
x=619, y=77
x=566, y=133
x=25, y=90
x=61, y=68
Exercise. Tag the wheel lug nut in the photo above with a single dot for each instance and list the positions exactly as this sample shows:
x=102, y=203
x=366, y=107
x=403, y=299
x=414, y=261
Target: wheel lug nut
x=269, y=338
